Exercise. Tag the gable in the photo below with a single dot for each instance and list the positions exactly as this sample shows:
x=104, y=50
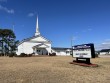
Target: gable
x=39, y=39
x=42, y=45
x=35, y=39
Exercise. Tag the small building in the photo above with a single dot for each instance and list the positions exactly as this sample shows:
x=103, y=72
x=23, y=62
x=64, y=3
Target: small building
x=104, y=52
x=61, y=51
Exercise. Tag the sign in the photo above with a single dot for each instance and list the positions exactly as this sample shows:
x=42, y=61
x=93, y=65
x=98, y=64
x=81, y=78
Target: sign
x=84, y=51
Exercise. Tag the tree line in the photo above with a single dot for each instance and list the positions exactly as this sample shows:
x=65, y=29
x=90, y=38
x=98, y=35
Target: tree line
x=8, y=43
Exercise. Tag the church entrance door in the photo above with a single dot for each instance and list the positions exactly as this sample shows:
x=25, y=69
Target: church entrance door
x=42, y=51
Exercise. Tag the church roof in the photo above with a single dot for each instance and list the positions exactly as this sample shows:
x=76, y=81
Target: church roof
x=60, y=48
x=105, y=50
x=37, y=34
x=27, y=39
x=40, y=45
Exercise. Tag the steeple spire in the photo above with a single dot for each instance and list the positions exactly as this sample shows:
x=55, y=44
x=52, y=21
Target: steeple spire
x=37, y=28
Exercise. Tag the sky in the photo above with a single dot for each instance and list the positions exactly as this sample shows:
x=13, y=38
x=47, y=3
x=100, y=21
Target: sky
x=60, y=21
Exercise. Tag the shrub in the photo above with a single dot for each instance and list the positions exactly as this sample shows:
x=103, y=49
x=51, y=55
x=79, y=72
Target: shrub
x=1, y=54
x=22, y=55
x=11, y=54
x=29, y=55
x=96, y=55
x=52, y=54
x=16, y=55
x=25, y=55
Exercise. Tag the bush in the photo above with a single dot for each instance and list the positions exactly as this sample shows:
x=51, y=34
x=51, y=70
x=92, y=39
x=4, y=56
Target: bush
x=96, y=55
x=25, y=55
x=1, y=54
x=16, y=55
x=22, y=55
x=11, y=54
x=29, y=55
x=52, y=54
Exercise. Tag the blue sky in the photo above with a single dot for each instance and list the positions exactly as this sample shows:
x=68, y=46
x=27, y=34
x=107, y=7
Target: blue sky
x=86, y=21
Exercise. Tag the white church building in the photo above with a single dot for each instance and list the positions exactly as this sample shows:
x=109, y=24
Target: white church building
x=39, y=45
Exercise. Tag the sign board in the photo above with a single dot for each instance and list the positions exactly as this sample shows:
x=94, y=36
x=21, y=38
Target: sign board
x=84, y=51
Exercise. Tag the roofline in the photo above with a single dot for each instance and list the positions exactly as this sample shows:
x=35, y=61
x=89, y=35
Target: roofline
x=40, y=45
x=27, y=39
x=62, y=47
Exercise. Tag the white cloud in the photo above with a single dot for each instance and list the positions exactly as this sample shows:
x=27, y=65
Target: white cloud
x=84, y=31
x=104, y=45
x=22, y=25
x=89, y=29
x=3, y=0
x=31, y=14
x=107, y=40
x=74, y=38
x=76, y=32
x=10, y=11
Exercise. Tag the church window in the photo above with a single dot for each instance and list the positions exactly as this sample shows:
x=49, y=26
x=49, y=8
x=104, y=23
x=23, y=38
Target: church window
x=38, y=50
x=67, y=52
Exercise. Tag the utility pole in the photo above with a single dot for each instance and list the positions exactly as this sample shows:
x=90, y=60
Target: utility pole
x=71, y=41
x=71, y=45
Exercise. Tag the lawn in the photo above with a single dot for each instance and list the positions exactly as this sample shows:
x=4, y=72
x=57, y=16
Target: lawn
x=52, y=70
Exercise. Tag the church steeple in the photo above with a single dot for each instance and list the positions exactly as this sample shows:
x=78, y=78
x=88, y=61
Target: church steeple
x=37, y=28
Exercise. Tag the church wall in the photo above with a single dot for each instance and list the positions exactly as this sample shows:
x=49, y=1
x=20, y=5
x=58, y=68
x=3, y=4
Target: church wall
x=49, y=49
x=26, y=48
x=20, y=49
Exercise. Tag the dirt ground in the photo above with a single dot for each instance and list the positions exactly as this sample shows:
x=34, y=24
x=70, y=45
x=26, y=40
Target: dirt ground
x=52, y=70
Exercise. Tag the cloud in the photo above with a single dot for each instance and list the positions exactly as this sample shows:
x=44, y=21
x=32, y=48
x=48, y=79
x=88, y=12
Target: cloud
x=76, y=32
x=84, y=31
x=22, y=25
x=74, y=38
x=3, y=0
x=31, y=14
x=10, y=11
x=104, y=45
x=89, y=29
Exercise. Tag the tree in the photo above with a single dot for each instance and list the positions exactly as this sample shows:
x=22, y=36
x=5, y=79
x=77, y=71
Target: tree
x=13, y=46
x=7, y=40
x=1, y=40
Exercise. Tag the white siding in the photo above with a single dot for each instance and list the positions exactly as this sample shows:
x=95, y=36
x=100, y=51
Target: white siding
x=103, y=53
x=27, y=47
x=61, y=52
